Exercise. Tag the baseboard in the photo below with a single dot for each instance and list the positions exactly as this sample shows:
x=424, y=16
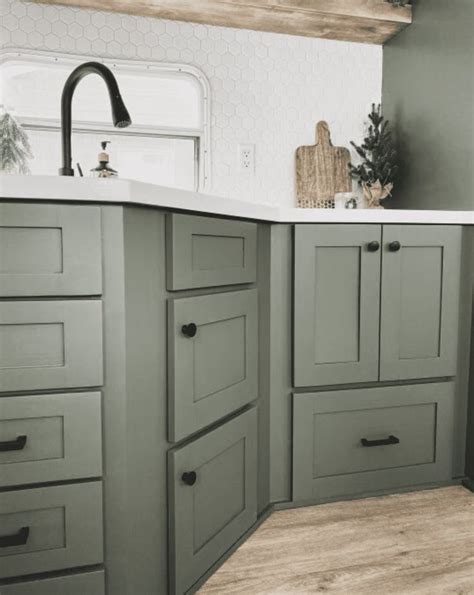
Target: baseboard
x=468, y=483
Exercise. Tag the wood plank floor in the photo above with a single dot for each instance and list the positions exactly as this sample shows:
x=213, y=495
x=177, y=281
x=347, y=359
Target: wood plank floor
x=421, y=542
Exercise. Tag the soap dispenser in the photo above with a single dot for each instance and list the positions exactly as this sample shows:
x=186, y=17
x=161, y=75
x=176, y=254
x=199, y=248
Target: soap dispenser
x=103, y=170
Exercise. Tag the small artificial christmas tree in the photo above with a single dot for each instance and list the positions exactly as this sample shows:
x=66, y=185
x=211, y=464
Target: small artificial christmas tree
x=15, y=149
x=378, y=170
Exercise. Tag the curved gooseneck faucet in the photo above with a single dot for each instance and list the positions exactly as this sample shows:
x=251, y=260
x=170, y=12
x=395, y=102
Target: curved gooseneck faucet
x=120, y=115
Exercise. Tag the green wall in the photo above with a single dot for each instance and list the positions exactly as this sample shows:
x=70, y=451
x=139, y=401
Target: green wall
x=428, y=94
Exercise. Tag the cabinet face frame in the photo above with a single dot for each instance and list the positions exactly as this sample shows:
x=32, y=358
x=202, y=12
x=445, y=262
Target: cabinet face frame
x=307, y=487
x=187, y=562
x=186, y=413
x=440, y=248
x=69, y=234
x=338, y=238
x=228, y=246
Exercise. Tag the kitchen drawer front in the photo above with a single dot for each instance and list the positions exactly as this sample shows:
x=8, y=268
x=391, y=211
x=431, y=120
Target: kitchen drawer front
x=50, y=250
x=207, y=517
x=87, y=583
x=53, y=528
x=214, y=372
x=420, y=301
x=207, y=252
x=50, y=438
x=336, y=312
x=50, y=344
x=364, y=440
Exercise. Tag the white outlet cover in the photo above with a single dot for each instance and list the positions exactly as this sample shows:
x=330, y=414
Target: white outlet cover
x=246, y=158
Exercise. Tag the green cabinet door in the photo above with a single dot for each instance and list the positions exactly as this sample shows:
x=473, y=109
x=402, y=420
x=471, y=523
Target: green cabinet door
x=336, y=304
x=212, y=342
x=213, y=497
x=420, y=301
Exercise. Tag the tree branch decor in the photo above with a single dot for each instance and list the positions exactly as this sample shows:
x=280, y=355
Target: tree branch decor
x=378, y=169
x=15, y=148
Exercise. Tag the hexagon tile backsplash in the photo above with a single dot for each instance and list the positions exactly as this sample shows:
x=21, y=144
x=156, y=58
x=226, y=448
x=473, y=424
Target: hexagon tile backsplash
x=267, y=89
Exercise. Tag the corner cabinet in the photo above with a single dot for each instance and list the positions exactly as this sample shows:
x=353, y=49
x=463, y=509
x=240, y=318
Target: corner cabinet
x=375, y=302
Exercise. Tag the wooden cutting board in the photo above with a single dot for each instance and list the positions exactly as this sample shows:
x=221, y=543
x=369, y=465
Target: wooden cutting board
x=321, y=170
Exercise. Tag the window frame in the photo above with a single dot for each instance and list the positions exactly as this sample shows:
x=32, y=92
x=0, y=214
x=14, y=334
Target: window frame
x=201, y=135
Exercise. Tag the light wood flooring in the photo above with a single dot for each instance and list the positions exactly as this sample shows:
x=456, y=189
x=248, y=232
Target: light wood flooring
x=420, y=542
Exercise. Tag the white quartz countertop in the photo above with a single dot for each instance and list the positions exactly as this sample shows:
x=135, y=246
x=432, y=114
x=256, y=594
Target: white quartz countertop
x=130, y=192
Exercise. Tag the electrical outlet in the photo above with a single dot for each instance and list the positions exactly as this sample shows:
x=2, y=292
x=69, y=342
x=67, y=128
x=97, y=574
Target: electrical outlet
x=247, y=158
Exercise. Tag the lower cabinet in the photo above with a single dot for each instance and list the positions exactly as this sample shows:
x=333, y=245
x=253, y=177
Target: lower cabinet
x=366, y=440
x=87, y=583
x=213, y=497
x=52, y=528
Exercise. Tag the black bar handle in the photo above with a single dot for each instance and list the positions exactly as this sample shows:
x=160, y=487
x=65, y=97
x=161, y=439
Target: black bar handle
x=189, y=478
x=373, y=246
x=394, y=246
x=189, y=330
x=18, y=444
x=384, y=442
x=19, y=538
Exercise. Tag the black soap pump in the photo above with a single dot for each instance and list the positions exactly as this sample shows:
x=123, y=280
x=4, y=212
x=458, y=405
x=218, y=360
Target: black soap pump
x=103, y=170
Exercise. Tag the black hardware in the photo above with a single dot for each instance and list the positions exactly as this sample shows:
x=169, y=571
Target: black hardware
x=120, y=115
x=79, y=169
x=385, y=442
x=19, y=538
x=18, y=444
x=189, y=478
x=189, y=330
x=373, y=246
x=394, y=246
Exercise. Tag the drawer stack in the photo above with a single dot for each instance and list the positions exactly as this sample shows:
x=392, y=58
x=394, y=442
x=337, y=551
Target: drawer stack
x=212, y=376
x=50, y=406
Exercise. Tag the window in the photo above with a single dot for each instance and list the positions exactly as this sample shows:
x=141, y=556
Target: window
x=167, y=142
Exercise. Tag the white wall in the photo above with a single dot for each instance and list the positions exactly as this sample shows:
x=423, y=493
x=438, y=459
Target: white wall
x=267, y=89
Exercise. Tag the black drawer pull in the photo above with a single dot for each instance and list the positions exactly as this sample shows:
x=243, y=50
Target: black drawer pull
x=373, y=246
x=19, y=538
x=189, y=478
x=189, y=330
x=394, y=246
x=18, y=444
x=384, y=442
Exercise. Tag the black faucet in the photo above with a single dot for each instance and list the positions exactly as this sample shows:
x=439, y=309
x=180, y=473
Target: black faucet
x=120, y=115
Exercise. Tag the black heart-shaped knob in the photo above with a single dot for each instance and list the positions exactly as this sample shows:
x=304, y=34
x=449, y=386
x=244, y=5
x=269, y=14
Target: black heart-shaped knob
x=189, y=330
x=189, y=478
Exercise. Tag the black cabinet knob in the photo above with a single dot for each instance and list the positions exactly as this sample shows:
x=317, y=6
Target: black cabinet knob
x=189, y=330
x=18, y=444
x=384, y=442
x=394, y=246
x=373, y=246
x=19, y=538
x=189, y=478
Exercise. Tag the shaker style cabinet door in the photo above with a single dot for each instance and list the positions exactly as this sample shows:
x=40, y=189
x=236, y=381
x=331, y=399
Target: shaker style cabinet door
x=212, y=358
x=213, y=497
x=336, y=304
x=420, y=301
x=50, y=250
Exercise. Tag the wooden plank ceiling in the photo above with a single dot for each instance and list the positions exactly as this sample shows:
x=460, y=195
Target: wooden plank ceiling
x=364, y=21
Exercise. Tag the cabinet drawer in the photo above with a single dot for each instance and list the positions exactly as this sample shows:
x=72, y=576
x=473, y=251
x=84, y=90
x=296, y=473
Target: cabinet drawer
x=50, y=344
x=213, y=497
x=50, y=438
x=206, y=252
x=87, y=583
x=364, y=440
x=48, y=250
x=213, y=372
x=50, y=529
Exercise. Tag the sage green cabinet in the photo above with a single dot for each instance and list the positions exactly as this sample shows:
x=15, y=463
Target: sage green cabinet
x=213, y=357
x=420, y=301
x=336, y=309
x=209, y=252
x=85, y=583
x=43, y=438
x=50, y=344
x=365, y=440
x=50, y=528
x=213, y=497
x=50, y=250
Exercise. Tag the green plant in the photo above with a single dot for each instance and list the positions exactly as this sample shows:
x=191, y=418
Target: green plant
x=379, y=157
x=15, y=149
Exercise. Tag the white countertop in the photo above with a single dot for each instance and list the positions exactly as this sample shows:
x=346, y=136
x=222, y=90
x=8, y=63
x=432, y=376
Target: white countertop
x=130, y=192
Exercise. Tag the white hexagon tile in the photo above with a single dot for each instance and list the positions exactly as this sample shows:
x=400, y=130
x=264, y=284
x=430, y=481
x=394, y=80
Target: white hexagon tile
x=267, y=89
